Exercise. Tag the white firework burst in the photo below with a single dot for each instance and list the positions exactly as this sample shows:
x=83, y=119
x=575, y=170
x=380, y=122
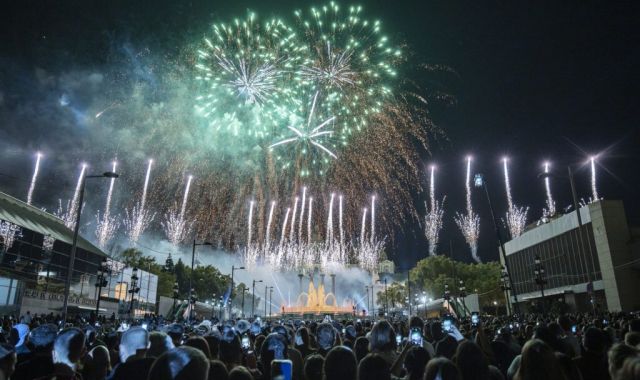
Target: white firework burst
x=516, y=217
x=176, y=227
x=434, y=216
x=137, y=221
x=332, y=70
x=469, y=223
x=8, y=233
x=107, y=225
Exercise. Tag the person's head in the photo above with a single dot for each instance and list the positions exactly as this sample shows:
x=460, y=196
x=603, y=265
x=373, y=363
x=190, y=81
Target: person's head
x=435, y=328
x=182, y=363
x=565, y=322
x=415, y=361
x=8, y=360
x=175, y=331
x=134, y=342
x=382, y=337
x=313, y=367
x=99, y=364
x=240, y=373
x=214, y=344
x=594, y=340
x=441, y=369
x=274, y=347
x=416, y=323
x=201, y=344
x=303, y=333
x=340, y=363
x=19, y=335
x=42, y=337
x=471, y=361
x=631, y=369
x=159, y=343
x=69, y=347
x=218, y=371
x=230, y=349
x=326, y=336
x=632, y=339
x=538, y=362
x=617, y=355
x=374, y=367
x=361, y=347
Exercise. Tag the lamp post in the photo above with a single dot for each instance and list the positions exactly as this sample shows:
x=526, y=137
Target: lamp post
x=233, y=269
x=574, y=197
x=266, y=299
x=74, y=245
x=134, y=289
x=193, y=261
x=101, y=281
x=270, y=299
x=479, y=181
x=462, y=294
x=176, y=294
x=447, y=296
x=253, y=299
x=504, y=285
x=495, y=303
x=368, y=306
x=386, y=304
x=244, y=290
x=538, y=271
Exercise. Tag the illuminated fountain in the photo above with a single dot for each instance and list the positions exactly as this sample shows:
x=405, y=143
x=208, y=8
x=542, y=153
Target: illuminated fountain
x=316, y=302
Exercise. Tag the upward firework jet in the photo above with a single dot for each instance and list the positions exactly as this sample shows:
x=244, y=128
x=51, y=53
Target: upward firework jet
x=550, y=210
x=469, y=224
x=594, y=189
x=34, y=178
x=138, y=219
x=107, y=224
x=69, y=214
x=516, y=216
x=175, y=226
x=433, y=219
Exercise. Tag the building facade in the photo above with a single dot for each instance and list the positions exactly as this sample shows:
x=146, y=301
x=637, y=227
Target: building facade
x=596, y=268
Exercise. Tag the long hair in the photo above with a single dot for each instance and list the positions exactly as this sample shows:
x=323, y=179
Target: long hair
x=382, y=338
x=538, y=362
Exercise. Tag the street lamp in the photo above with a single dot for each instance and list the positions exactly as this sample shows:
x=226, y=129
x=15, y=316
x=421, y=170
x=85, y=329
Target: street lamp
x=495, y=303
x=193, y=260
x=538, y=271
x=233, y=269
x=368, y=306
x=479, y=181
x=462, y=294
x=134, y=289
x=176, y=294
x=244, y=290
x=253, y=299
x=504, y=285
x=266, y=299
x=574, y=197
x=101, y=281
x=74, y=244
x=270, y=299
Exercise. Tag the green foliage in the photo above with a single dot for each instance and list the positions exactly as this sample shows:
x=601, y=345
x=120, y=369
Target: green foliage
x=396, y=293
x=432, y=273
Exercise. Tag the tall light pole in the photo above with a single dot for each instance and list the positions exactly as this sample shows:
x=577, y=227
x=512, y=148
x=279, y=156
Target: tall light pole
x=244, y=290
x=101, y=281
x=540, y=279
x=270, y=299
x=74, y=244
x=480, y=182
x=233, y=269
x=576, y=207
x=462, y=294
x=266, y=299
x=176, y=295
x=368, y=305
x=504, y=285
x=253, y=299
x=134, y=289
x=192, y=303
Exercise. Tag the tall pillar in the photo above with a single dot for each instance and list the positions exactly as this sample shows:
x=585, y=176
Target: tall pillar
x=333, y=283
x=300, y=276
x=322, y=279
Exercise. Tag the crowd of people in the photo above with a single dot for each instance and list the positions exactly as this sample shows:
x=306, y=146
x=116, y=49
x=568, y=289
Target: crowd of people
x=525, y=347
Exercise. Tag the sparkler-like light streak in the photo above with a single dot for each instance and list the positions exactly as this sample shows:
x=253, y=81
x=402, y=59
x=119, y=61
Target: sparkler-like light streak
x=551, y=204
x=330, y=220
x=309, y=220
x=293, y=218
x=516, y=216
x=68, y=214
x=594, y=190
x=250, y=223
x=176, y=226
x=373, y=218
x=267, y=240
x=34, y=178
x=363, y=226
x=107, y=225
x=304, y=200
x=434, y=216
x=284, y=226
x=469, y=224
x=309, y=135
x=138, y=219
x=340, y=222
x=335, y=72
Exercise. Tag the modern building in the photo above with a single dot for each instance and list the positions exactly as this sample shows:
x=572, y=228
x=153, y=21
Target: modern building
x=34, y=258
x=596, y=269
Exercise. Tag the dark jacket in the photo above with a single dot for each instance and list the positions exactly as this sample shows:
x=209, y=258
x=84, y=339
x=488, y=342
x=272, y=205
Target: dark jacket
x=40, y=365
x=133, y=368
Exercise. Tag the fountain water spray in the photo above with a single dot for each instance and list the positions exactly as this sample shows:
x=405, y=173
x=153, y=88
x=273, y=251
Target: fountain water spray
x=34, y=178
x=469, y=224
x=107, y=225
x=433, y=218
x=516, y=216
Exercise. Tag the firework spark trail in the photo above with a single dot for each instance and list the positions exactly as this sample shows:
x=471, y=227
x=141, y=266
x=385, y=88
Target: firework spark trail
x=284, y=226
x=340, y=222
x=373, y=218
x=336, y=73
x=551, y=204
x=267, y=240
x=183, y=209
x=594, y=190
x=139, y=218
x=250, y=223
x=330, y=220
x=176, y=227
x=293, y=218
x=107, y=224
x=469, y=224
x=34, y=178
x=363, y=227
x=309, y=216
x=434, y=216
x=69, y=217
x=516, y=217
x=304, y=200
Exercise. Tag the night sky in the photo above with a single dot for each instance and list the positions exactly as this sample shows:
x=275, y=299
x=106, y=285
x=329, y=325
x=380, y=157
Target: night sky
x=532, y=80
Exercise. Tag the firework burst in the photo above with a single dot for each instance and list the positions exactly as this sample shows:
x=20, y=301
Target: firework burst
x=107, y=225
x=176, y=226
x=469, y=223
x=516, y=217
x=138, y=219
x=434, y=216
x=34, y=178
x=550, y=210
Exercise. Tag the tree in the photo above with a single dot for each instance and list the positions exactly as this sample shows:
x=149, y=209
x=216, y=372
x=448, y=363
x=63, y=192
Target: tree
x=396, y=295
